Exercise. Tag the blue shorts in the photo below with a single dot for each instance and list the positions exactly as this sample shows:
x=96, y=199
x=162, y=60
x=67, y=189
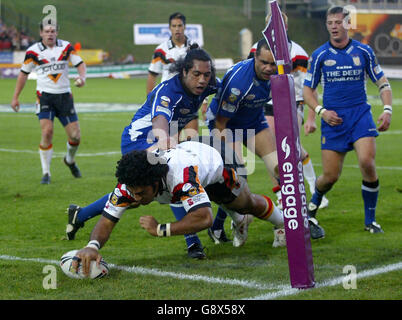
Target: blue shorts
x=357, y=123
x=244, y=132
x=61, y=105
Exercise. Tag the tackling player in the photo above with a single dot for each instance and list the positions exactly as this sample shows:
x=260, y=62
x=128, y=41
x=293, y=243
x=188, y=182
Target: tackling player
x=341, y=65
x=158, y=123
x=193, y=174
x=49, y=58
x=238, y=108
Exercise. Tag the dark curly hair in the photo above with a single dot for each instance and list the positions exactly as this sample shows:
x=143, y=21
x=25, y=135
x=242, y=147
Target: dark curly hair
x=138, y=168
x=194, y=52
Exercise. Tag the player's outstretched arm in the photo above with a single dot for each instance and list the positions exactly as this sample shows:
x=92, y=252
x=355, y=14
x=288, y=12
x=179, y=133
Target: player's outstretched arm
x=21, y=80
x=99, y=236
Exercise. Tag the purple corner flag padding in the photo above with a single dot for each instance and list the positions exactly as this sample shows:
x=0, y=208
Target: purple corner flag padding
x=294, y=200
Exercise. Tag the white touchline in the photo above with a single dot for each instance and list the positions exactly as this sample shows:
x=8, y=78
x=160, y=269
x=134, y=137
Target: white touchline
x=328, y=283
x=285, y=290
x=161, y=273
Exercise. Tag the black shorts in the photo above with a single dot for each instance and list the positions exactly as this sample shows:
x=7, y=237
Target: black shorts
x=234, y=173
x=52, y=105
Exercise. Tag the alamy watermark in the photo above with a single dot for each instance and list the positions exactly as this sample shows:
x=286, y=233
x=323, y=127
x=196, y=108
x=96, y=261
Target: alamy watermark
x=350, y=280
x=50, y=280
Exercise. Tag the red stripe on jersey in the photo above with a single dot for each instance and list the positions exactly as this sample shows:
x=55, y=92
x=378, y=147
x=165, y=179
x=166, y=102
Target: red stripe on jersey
x=124, y=192
x=160, y=51
x=179, y=187
x=299, y=58
x=32, y=52
x=65, y=53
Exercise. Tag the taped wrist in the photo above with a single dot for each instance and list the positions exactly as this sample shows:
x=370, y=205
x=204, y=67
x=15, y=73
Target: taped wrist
x=163, y=230
x=388, y=109
x=94, y=244
x=319, y=110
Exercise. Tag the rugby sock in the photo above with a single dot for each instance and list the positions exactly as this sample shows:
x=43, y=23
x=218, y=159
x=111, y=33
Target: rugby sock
x=72, y=148
x=190, y=238
x=317, y=197
x=272, y=213
x=370, y=195
x=219, y=220
x=236, y=217
x=92, y=210
x=308, y=172
x=46, y=158
x=277, y=191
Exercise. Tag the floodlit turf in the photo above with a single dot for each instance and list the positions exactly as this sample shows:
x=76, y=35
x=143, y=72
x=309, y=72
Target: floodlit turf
x=33, y=220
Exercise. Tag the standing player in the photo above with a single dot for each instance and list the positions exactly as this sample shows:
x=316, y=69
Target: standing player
x=157, y=124
x=238, y=108
x=341, y=65
x=49, y=58
x=193, y=174
x=167, y=53
x=299, y=69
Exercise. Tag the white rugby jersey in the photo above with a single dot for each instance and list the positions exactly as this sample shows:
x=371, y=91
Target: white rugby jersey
x=164, y=55
x=192, y=167
x=299, y=66
x=51, y=65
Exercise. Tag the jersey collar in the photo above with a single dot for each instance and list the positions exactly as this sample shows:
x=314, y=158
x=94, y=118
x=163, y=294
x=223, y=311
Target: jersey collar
x=171, y=44
x=347, y=45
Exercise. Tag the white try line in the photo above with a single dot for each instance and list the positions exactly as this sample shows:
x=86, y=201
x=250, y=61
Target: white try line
x=328, y=283
x=161, y=273
x=282, y=290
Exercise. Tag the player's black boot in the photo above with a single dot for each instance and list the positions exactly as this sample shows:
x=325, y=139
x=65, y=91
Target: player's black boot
x=218, y=236
x=45, y=179
x=196, y=251
x=73, y=225
x=73, y=168
x=316, y=231
x=374, y=227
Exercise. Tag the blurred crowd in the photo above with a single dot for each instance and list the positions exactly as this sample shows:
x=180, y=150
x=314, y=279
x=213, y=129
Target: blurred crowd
x=11, y=39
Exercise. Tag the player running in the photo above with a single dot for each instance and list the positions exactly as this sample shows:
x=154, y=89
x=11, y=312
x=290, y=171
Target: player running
x=157, y=124
x=49, y=58
x=341, y=65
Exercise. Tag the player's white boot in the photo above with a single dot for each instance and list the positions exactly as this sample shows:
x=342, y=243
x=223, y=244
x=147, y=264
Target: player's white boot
x=279, y=238
x=240, y=230
x=324, y=203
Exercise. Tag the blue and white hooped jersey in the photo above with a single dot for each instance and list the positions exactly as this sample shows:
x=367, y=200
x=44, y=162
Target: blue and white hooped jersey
x=241, y=96
x=170, y=100
x=343, y=73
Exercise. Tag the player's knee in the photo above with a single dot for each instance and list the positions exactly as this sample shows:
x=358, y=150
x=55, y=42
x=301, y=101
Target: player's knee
x=75, y=136
x=47, y=134
x=331, y=179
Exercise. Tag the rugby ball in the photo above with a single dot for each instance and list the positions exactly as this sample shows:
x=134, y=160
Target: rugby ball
x=95, y=272
x=78, y=82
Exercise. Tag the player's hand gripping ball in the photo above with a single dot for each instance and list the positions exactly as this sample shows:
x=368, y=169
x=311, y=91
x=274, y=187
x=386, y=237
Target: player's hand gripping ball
x=95, y=272
x=78, y=82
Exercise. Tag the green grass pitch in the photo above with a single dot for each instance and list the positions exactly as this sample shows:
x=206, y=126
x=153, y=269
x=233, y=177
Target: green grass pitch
x=33, y=219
